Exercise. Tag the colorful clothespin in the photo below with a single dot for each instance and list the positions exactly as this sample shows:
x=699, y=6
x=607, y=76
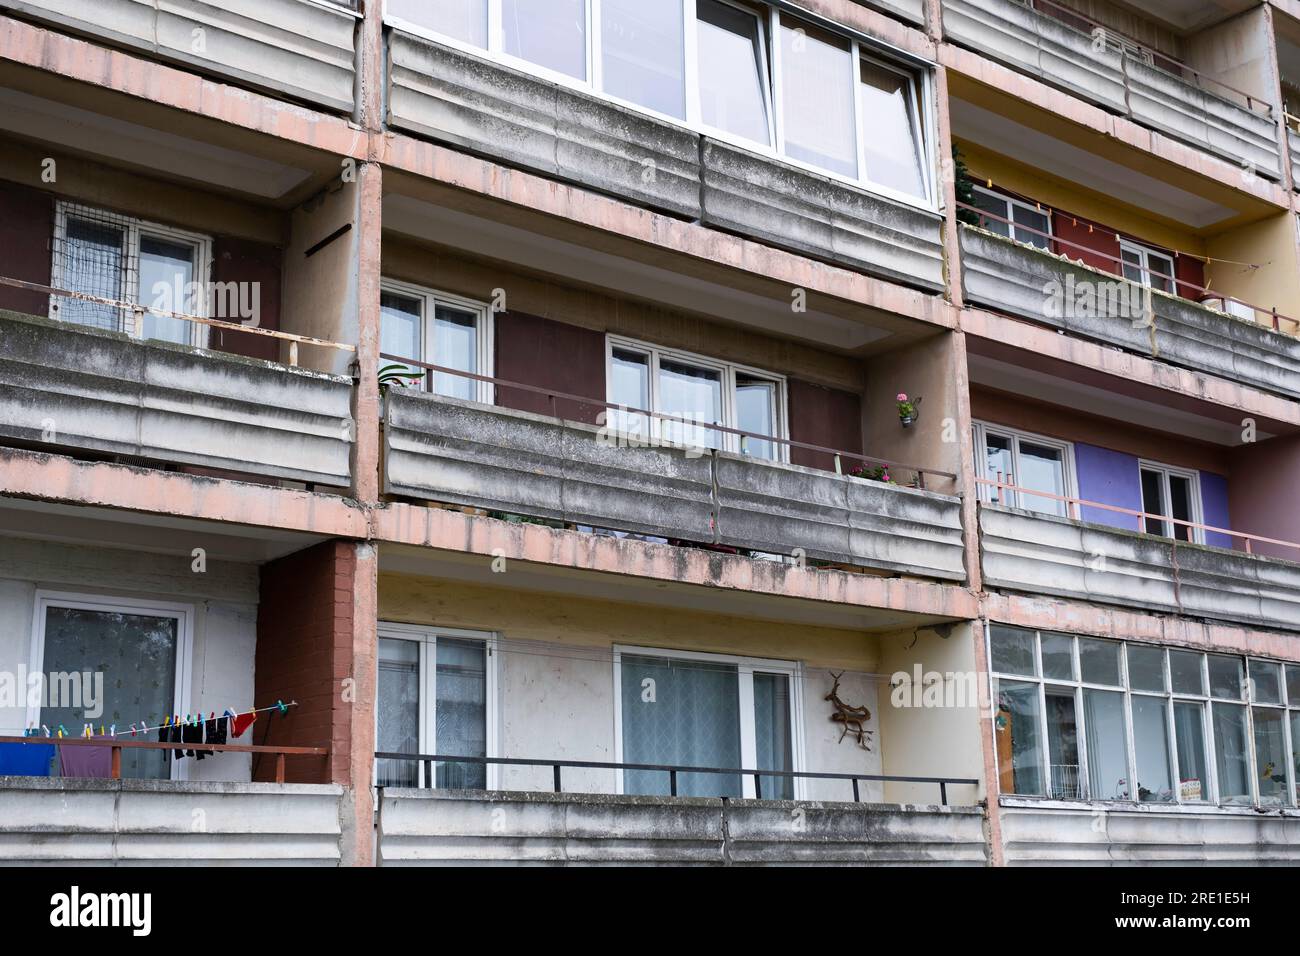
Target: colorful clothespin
x=112, y=730
x=283, y=707
x=47, y=731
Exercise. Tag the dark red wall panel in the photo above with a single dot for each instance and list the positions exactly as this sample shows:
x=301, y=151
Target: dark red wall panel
x=551, y=355
x=241, y=261
x=26, y=227
x=829, y=417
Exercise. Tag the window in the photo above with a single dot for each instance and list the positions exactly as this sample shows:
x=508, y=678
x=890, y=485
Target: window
x=1146, y=266
x=1030, y=462
x=116, y=257
x=438, y=329
x=142, y=651
x=702, y=391
x=1182, y=726
x=1015, y=219
x=738, y=70
x=435, y=694
x=706, y=710
x=1171, y=493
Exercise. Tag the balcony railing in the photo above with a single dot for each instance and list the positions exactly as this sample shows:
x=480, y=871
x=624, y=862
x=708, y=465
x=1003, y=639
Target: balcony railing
x=302, y=49
x=469, y=454
x=1040, y=553
x=1031, y=282
x=1066, y=49
x=69, y=386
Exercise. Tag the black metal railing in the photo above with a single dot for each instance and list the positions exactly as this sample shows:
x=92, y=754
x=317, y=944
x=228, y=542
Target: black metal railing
x=673, y=771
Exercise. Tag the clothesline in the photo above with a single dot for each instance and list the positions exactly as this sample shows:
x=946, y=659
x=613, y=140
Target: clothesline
x=142, y=726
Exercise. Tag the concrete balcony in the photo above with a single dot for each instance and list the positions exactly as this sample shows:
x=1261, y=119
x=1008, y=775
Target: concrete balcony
x=462, y=453
x=522, y=120
x=456, y=828
x=1218, y=121
x=303, y=49
x=80, y=822
x=1293, y=147
x=65, y=386
x=1025, y=281
x=1044, y=554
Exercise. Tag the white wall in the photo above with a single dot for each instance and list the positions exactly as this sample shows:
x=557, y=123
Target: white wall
x=223, y=598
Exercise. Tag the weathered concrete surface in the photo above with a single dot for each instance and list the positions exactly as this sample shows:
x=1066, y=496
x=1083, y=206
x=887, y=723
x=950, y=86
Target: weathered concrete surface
x=301, y=49
x=66, y=386
x=1028, y=282
x=443, y=827
x=1043, y=554
x=913, y=10
x=515, y=462
x=82, y=822
x=1042, y=46
x=527, y=121
x=1092, y=836
x=1293, y=144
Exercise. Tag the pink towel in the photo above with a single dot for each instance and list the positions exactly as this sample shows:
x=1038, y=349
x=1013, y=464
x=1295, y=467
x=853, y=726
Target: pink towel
x=83, y=761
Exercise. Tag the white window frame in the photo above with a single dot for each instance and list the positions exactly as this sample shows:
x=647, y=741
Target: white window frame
x=694, y=103
x=1212, y=797
x=1145, y=253
x=484, y=392
x=1194, y=481
x=1011, y=201
x=426, y=636
x=745, y=667
x=990, y=495
x=727, y=371
x=182, y=613
x=920, y=71
x=134, y=229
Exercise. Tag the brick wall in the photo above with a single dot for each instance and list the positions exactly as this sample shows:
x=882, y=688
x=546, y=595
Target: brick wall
x=304, y=652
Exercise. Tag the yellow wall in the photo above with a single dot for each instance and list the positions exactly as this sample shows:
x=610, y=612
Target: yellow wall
x=1271, y=245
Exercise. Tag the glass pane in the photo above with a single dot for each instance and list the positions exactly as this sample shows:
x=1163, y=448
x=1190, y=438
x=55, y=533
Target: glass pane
x=1013, y=651
x=1063, y=745
x=1265, y=682
x=1227, y=675
x=1155, y=772
x=399, y=333
x=681, y=713
x=455, y=345
x=643, y=53
x=997, y=455
x=731, y=74
x=1160, y=270
x=464, y=20
x=894, y=155
x=93, y=255
x=999, y=207
x=755, y=412
x=135, y=657
x=397, y=710
x=1058, y=656
x=1193, y=775
x=1232, y=758
x=1293, y=685
x=1018, y=738
x=460, y=714
x=1132, y=266
x=1042, y=469
x=774, y=748
x=166, y=274
x=550, y=33
x=692, y=393
x=1033, y=227
x=1146, y=668
x=629, y=387
x=1153, y=501
x=1099, y=661
x=1185, y=672
x=1180, y=506
x=1270, y=756
x=1295, y=753
x=817, y=98
x=1103, y=712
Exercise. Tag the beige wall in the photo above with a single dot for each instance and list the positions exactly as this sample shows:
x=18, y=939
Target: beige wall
x=1271, y=245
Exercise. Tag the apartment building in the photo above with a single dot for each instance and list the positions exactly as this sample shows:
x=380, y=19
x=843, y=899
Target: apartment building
x=671, y=431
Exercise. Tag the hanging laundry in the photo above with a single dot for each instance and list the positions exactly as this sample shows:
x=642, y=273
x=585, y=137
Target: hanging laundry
x=78, y=761
x=26, y=760
x=192, y=733
x=241, y=722
x=216, y=730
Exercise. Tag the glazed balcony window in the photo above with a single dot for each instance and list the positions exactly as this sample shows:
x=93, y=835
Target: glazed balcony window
x=1014, y=218
x=736, y=70
x=1031, y=462
x=440, y=329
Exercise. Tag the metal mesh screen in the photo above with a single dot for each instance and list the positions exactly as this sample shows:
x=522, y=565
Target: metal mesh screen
x=92, y=254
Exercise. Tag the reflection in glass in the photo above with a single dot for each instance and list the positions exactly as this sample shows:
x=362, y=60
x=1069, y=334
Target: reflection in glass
x=1189, y=732
x=642, y=54
x=1018, y=738
x=1151, y=741
x=731, y=74
x=1103, y=713
x=1232, y=756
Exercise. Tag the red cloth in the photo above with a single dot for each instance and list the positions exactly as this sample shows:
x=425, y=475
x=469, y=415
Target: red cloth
x=241, y=722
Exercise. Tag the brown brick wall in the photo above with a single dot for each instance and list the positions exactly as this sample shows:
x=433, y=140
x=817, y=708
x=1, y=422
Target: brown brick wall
x=304, y=653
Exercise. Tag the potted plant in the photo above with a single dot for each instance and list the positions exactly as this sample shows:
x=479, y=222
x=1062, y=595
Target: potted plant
x=397, y=375
x=908, y=409
x=873, y=473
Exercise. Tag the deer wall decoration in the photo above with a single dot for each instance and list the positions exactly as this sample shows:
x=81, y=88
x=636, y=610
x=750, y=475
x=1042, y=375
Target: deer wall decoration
x=854, y=719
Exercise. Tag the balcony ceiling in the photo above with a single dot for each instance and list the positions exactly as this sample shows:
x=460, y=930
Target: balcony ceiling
x=1188, y=16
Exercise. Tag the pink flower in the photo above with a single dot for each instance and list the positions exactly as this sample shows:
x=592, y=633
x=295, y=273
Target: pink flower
x=902, y=396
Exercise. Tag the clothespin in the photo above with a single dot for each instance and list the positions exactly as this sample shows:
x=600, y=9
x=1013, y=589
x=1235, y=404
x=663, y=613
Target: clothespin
x=101, y=730
x=133, y=730
x=283, y=707
x=60, y=731
x=1090, y=229
x=47, y=731
x=88, y=730
x=112, y=730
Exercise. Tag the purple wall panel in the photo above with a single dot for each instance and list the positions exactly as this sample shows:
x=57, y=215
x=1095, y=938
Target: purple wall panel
x=1214, y=507
x=1111, y=478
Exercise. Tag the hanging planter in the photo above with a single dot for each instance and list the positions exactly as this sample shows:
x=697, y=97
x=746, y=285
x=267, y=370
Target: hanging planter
x=909, y=410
